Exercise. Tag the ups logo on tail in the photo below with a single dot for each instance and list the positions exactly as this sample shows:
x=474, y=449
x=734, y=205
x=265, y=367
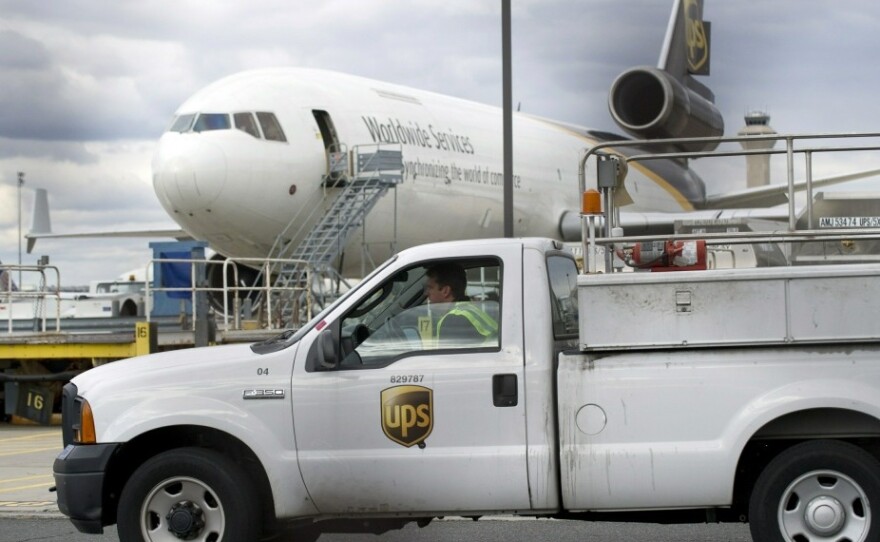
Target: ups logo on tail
x=697, y=37
x=407, y=414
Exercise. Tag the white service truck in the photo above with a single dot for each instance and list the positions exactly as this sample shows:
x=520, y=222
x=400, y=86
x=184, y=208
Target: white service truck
x=105, y=299
x=689, y=396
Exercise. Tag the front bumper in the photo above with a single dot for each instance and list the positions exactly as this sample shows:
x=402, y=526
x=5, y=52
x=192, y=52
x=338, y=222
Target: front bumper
x=79, y=478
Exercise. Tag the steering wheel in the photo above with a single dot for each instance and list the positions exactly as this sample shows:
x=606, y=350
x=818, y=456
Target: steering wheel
x=359, y=334
x=391, y=330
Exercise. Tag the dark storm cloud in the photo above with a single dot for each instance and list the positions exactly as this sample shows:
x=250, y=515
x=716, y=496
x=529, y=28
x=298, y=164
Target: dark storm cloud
x=47, y=97
x=566, y=59
x=77, y=72
x=565, y=53
x=18, y=52
x=49, y=105
x=73, y=152
x=97, y=91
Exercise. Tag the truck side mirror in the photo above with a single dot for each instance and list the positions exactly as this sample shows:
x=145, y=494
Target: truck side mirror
x=328, y=357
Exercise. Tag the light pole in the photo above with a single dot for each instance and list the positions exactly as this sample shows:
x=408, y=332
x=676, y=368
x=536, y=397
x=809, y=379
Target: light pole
x=507, y=118
x=20, y=182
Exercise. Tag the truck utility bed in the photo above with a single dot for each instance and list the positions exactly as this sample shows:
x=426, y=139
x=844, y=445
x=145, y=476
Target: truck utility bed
x=729, y=307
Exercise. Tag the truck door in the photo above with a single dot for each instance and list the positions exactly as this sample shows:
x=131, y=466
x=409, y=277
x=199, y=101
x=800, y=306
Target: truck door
x=413, y=418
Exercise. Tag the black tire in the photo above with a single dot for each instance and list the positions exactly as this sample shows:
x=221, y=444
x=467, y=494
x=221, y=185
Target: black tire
x=820, y=490
x=128, y=309
x=201, y=493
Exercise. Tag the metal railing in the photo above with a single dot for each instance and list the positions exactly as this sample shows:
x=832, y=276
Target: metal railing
x=233, y=289
x=9, y=297
x=610, y=215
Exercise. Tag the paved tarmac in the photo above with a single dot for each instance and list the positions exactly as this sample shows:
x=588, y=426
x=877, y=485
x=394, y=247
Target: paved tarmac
x=57, y=530
x=26, y=456
x=28, y=510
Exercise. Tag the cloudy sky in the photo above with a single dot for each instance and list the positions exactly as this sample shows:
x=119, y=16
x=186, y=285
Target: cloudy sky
x=88, y=86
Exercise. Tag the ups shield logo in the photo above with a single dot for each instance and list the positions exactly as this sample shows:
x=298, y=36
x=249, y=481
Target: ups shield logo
x=697, y=37
x=407, y=414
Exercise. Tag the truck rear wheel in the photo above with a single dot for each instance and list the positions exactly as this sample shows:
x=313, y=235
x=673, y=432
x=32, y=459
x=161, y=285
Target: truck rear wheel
x=817, y=491
x=188, y=494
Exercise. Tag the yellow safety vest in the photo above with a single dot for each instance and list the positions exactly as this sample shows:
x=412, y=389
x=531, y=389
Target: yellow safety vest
x=482, y=322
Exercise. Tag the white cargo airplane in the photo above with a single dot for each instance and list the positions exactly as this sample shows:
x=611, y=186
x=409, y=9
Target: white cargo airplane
x=249, y=153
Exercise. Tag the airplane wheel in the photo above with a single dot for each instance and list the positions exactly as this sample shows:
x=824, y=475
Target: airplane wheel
x=816, y=491
x=189, y=494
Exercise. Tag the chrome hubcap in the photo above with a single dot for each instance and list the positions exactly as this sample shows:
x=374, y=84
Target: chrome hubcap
x=182, y=508
x=824, y=506
x=824, y=515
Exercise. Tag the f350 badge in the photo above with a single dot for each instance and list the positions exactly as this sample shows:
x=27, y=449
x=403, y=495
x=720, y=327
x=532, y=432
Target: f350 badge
x=407, y=414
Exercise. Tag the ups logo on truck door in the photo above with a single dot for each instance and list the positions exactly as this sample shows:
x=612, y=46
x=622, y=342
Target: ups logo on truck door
x=407, y=414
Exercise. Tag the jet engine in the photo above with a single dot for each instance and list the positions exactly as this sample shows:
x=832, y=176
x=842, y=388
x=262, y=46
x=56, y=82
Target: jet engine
x=649, y=104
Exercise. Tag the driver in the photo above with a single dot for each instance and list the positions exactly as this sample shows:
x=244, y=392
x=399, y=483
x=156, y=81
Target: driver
x=463, y=322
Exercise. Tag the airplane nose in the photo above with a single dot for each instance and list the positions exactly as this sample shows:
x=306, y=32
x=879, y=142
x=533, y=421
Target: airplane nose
x=188, y=172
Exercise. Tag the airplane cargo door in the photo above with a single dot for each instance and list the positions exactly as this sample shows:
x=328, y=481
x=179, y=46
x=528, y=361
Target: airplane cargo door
x=412, y=420
x=330, y=138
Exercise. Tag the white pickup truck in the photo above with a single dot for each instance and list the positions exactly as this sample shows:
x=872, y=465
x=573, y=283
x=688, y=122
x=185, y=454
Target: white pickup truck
x=737, y=395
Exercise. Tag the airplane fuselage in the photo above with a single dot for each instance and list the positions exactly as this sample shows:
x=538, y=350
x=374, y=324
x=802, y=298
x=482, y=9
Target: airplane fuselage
x=237, y=184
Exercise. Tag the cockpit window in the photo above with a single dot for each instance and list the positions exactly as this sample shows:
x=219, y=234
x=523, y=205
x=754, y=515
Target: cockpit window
x=246, y=123
x=182, y=123
x=211, y=121
x=271, y=128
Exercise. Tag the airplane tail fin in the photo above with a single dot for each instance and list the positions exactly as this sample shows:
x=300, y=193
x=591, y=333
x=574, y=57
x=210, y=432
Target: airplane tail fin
x=40, y=222
x=666, y=101
x=41, y=227
x=686, y=48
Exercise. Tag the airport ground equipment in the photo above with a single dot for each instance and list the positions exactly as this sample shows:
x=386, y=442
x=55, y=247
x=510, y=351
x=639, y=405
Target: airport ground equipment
x=43, y=307
x=47, y=336
x=35, y=365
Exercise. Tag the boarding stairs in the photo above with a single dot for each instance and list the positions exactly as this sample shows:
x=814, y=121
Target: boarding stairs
x=355, y=182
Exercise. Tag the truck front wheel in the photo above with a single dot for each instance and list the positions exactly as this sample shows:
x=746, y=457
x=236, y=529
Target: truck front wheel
x=188, y=494
x=815, y=491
